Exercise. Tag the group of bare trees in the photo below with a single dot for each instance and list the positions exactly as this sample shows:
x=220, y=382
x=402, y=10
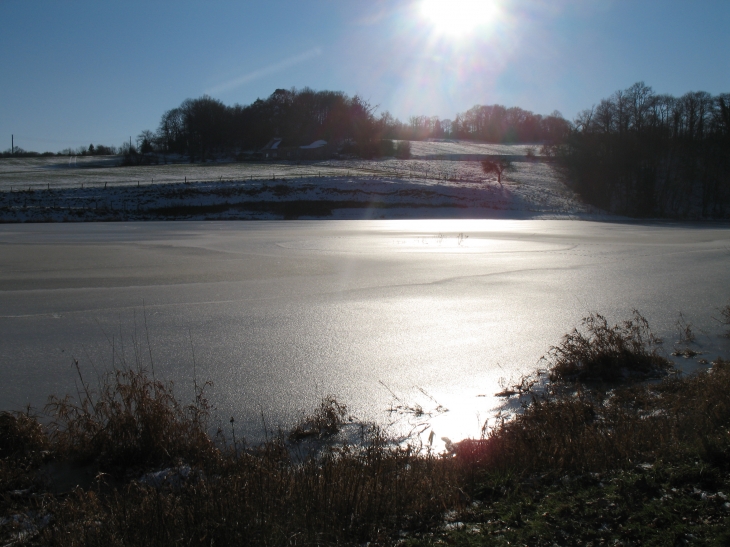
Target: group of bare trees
x=490, y=123
x=646, y=154
x=91, y=150
x=203, y=127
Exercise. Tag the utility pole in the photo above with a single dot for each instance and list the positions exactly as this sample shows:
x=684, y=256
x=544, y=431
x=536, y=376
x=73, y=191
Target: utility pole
x=12, y=145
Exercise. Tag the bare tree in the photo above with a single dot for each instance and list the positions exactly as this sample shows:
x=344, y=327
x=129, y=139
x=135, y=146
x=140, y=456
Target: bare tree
x=145, y=141
x=497, y=167
x=584, y=120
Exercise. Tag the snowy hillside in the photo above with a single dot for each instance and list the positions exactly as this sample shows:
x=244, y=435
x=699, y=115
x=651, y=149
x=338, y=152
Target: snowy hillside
x=85, y=189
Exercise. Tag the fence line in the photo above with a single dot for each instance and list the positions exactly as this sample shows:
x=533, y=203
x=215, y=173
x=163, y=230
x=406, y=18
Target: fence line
x=275, y=177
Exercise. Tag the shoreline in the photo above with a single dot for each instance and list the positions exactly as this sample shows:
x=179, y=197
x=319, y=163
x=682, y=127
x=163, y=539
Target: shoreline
x=337, y=198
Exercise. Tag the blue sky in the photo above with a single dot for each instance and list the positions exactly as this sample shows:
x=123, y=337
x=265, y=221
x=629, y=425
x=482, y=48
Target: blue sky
x=73, y=73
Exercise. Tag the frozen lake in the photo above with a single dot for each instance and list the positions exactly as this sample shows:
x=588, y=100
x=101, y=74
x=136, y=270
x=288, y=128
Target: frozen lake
x=279, y=314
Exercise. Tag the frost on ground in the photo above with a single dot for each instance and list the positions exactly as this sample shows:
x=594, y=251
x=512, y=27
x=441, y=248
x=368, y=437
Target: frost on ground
x=89, y=189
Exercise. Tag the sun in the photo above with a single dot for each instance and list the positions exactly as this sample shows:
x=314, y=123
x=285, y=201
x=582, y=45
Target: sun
x=458, y=17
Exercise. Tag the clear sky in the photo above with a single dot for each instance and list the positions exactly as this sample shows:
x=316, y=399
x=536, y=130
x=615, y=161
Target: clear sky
x=73, y=73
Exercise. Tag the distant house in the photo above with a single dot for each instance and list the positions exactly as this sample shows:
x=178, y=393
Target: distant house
x=315, y=145
x=274, y=150
x=271, y=150
x=315, y=151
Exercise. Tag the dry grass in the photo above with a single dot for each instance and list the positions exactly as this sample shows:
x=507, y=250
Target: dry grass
x=162, y=480
x=20, y=434
x=578, y=425
x=684, y=330
x=327, y=420
x=596, y=413
x=346, y=497
x=23, y=446
x=212, y=493
x=582, y=432
x=725, y=314
x=601, y=353
x=133, y=420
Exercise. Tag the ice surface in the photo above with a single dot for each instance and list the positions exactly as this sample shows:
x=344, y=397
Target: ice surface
x=279, y=314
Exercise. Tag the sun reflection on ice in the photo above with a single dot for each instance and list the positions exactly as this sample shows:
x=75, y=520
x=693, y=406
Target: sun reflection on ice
x=435, y=420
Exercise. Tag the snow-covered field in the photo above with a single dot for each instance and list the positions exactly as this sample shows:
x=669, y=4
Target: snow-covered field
x=454, y=147
x=86, y=189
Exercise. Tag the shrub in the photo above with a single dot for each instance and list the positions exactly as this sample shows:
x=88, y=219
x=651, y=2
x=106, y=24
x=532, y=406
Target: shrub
x=326, y=421
x=387, y=148
x=403, y=150
x=600, y=353
x=20, y=432
x=133, y=420
x=548, y=151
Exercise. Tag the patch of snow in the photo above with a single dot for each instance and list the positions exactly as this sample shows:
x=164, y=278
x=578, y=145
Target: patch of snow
x=315, y=144
x=339, y=189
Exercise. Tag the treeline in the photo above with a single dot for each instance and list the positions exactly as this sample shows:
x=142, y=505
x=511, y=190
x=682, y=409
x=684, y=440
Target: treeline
x=637, y=153
x=91, y=150
x=646, y=154
x=18, y=152
x=493, y=123
x=205, y=127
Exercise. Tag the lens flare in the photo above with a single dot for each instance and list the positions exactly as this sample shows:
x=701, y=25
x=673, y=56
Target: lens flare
x=458, y=17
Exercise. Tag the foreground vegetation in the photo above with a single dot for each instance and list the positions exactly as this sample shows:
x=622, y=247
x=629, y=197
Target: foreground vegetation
x=598, y=454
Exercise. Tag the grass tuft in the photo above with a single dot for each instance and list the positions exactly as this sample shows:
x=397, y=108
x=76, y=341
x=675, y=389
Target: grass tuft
x=133, y=420
x=604, y=354
x=325, y=421
x=20, y=433
x=23, y=447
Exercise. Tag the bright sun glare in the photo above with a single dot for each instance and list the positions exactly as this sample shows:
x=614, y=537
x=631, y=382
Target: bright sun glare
x=457, y=17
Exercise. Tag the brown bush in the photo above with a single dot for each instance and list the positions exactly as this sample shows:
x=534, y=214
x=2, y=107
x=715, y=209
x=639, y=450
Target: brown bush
x=600, y=353
x=133, y=420
x=325, y=421
x=592, y=431
x=20, y=432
